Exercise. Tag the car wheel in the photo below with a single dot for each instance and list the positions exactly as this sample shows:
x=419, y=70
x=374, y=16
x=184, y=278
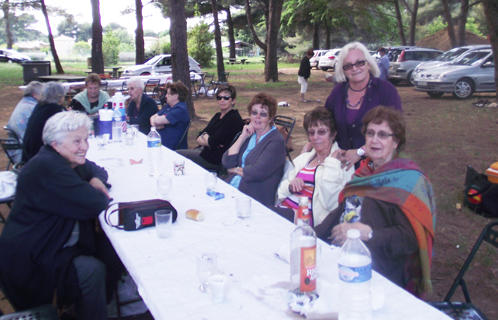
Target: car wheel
x=411, y=79
x=394, y=81
x=324, y=68
x=435, y=94
x=464, y=89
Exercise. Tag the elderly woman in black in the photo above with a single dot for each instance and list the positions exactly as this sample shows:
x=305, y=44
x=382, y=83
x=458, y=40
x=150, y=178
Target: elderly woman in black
x=49, y=242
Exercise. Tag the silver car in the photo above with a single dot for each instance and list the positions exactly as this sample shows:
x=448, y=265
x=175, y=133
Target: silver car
x=473, y=72
x=316, y=57
x=447, y=58
x=408, y=59
x=158, y=64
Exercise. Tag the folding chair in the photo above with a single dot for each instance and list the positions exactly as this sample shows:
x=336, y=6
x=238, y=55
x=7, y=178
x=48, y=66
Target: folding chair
x=193, y=86
x=288, y=123
x=103, y=85
x=466, y=310
x=9, y=145
x=152, y=88
x=205, y=84
x=184, y=136
x=222, y=172
x=222, y=79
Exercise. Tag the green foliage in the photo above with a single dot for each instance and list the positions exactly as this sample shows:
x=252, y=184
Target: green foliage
x=82, y=48
x=297, y=45
x=150, y=33
x=110, y=48
x=69, y=27
x=21, y=28
x=199, y=44
x=436, y=25
x=161, y=47
x=126, y=47
x=473, y=26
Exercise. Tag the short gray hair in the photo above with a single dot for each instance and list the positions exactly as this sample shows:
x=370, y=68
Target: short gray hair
x=60, y=124
x=34, y=87
x=139, y=83
x=339, y=73
x=52, y=92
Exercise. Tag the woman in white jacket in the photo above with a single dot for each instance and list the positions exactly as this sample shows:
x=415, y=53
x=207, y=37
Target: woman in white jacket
x=317, y=174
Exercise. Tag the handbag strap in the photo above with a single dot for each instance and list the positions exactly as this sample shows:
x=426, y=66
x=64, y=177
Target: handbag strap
x=108, y=214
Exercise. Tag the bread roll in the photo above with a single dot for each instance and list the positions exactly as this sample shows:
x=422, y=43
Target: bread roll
x=194, y=215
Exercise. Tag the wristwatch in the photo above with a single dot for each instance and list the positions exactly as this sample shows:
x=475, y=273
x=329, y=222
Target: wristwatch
x=360, y=152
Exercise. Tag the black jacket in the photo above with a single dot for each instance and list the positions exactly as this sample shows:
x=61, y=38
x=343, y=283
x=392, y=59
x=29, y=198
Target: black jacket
x=305, y=68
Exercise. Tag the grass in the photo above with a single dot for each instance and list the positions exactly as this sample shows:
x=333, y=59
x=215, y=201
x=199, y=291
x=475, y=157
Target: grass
x=11, y=74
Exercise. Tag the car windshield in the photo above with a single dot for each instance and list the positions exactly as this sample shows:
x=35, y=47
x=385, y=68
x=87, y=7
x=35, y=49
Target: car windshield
x=153, y=61
x=471, y=58
x=452, y=54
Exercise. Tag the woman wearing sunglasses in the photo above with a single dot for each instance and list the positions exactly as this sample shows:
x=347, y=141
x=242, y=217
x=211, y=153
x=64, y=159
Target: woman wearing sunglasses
x=256, y=160
x=317, y=174
x=358, y=90
x=217, y=136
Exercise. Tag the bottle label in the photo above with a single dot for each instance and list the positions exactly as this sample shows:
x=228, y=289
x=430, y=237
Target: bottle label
x=153, y=143
x=307, y=282
x=355, y=274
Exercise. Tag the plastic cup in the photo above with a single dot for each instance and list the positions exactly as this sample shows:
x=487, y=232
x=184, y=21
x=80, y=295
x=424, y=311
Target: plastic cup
x=164, y=219
x=210, y=179
x=179, y=167
x=218, y=285
x=243, y=206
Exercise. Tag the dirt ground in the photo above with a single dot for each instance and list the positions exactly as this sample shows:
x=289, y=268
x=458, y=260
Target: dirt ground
x=443, y=136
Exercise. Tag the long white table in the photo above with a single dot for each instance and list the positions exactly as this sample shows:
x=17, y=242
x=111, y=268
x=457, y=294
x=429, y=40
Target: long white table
x=165, y=269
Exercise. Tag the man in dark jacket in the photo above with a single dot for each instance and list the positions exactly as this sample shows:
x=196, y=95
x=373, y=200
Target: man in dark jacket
x=304, y=73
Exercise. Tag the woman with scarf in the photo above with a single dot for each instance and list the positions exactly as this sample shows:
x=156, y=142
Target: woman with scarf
x=390, y=201
x=255, y=162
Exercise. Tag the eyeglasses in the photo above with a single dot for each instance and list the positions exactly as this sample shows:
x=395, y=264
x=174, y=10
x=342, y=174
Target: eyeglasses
x=226, y=98
x=357, y=64
x=381, y=134
x=261, y=114
x=321, y=132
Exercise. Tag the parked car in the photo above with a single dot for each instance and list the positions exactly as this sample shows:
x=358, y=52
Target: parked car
x=447, y=58
x=394, y=52
x=9, y=55
x=316, y=56
x=407, y=60
x=158, y=64
x=329, y=59
x=473, y=72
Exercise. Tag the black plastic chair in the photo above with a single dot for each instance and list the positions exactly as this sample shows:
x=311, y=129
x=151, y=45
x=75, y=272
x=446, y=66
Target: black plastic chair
x=466, y=310
x=152, y=88
x=46, y=312
x=205, y=84
x=289, y=124
x=103, y=85
x=184, y=136
x=222, y=79
x=9, y=145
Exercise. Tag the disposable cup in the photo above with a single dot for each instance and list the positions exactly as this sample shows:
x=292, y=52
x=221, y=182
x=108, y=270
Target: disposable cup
x=164, y=218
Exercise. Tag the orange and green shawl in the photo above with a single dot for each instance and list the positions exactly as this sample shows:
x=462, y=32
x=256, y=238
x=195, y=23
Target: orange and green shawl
x=401, y=182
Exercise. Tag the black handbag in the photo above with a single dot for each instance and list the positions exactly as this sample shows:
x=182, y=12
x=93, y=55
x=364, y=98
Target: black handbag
x=139, y=214
x=480, y=195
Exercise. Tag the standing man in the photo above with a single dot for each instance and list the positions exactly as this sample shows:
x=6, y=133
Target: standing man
x=304, y=73
x=383, y=64
x=92, y=99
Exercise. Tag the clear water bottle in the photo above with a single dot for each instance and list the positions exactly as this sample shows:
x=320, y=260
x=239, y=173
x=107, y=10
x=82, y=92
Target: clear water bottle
x=303, y=260
x=154, y=152
x=303, y=213
x=355, y=272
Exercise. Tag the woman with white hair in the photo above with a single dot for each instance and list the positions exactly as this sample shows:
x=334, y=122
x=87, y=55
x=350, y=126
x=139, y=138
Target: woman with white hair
x=50, y=103
x=141, y=106
x=49, y=244
x=358, y=90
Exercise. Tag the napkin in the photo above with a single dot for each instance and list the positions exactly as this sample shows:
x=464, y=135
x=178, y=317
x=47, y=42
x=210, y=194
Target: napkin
x=8, y=181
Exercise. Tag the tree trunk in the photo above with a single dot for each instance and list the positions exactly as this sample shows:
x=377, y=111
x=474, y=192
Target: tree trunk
x=6, y=18
x=401, y=32
x=220, y=66
x=491, y=12
x=316, y=36
x=139, y=35
x=327, y=35
x=97, y=56
x=449, y=21
x=271, y=61
x=231, y=34
x=462, y=20
x=57, y=62
x=179, y=52
x=413, y=22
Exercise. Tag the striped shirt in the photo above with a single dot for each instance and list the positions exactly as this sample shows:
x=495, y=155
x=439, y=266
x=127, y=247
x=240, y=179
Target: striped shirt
x=292, y=201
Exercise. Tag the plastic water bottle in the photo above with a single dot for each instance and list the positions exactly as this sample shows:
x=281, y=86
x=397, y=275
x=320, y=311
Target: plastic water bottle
x=355, y=272
x=303, y=213
x=154, y=152
x=303, y=260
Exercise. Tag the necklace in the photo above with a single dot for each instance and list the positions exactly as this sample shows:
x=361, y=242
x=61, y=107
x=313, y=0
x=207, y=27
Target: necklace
x=350, y=106
x=360, y=89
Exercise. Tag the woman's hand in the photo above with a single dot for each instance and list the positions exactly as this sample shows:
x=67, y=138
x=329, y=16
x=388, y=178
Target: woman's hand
x=339, y=154
x=340, y=232
x=99, y=185
x=202, y=140
x=247, y=131
x=296, y=185
x=349, y=159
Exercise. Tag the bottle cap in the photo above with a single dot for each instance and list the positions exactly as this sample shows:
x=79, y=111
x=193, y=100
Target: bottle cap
x=353, y=233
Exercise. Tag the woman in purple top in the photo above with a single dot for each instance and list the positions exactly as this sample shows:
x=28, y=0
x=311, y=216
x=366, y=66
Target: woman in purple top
x=358, y=90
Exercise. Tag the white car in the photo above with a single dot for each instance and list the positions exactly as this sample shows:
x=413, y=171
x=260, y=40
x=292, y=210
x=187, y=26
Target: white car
x=473, y=72
x=158, y=64
x=329, y=59
x=316, y=57
x=9, y=55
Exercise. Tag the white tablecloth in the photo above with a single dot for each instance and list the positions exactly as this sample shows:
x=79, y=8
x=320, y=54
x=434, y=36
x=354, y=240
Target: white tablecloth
x=165, y=269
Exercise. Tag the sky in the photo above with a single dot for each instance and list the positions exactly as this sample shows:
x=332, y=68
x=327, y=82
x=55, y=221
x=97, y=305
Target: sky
x=82, y=10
